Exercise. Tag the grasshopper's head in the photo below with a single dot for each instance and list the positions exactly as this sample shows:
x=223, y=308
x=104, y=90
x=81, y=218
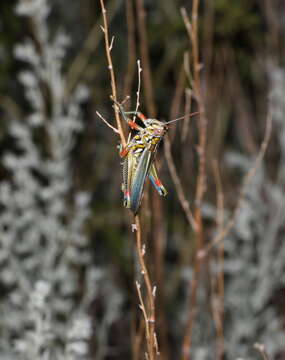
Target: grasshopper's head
x=155, y=127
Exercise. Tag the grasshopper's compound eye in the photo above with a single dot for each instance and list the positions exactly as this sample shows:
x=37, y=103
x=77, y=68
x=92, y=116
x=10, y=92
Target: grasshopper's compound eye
x=159, y=131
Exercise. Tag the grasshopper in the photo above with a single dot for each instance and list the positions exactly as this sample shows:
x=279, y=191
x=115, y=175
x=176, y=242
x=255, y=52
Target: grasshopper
x=138, y=158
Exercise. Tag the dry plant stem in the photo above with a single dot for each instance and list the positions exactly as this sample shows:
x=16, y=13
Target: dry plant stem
x=247, y=179
x=149, y=311
x=261, y=349
x=202, y=123
x=157, y=218
x=159, y=243
x=80, y=63
x=145, y=60
x=139, y=88
x=177, y=183
x=177, y=99
x=131, y=67
x=186, y=65
x=107, y=123
x=178, y=93
x=108, y=48
x=208, y=31
x=187, y=112
x=192, y=30
x=158, y=233
x=218, y=307
x=149, y=314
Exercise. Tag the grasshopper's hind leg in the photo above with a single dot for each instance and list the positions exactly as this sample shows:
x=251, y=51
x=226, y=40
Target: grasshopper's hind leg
x=156, y=182
x=127, y=179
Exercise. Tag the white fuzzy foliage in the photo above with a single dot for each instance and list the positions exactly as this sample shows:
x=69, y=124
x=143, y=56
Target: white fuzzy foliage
x=46, y=276
x=42, y=241
x=255, y=265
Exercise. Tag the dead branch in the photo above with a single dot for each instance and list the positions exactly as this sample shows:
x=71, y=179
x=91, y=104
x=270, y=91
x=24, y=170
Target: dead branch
x=111, y=70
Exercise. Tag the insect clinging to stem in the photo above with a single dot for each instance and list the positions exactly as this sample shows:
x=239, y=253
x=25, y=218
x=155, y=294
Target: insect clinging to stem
x=139, y=155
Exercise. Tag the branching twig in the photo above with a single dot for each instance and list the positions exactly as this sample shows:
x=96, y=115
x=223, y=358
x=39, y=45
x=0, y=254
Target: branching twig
x=247, y=179
x=177, y=183
x=107, y=123
x=192, y=30
x=178, y=93
x=110, y=67
x=149, y=313
x=177, y=98
x=139, y=87
x=145, y=60
x=143, y=309
x=261, y=349
x=80, y=63
x=187, y=112
x=151, y=111
x=149, y=310
x=131, y=48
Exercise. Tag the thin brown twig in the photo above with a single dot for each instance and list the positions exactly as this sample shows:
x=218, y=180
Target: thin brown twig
x=105, y=30
x=177, y=99
x=143, y=309
x=247, y=179
x=192, y=30
x=131, y=67
x=107, y=123
x=149, y=313
x=149, y=332
x=177, y=184
x=178, y=94
x=187, y=70
x=79, y=64
x=139, y=87
x=151, y=109
x=157, y=219
x=187, y=111
x=261, y=349
x=208, y=31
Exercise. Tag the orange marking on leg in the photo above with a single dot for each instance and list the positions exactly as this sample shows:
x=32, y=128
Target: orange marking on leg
x=158, y=182
x=127, y=194
x=124, y=152
x=141, y=116
x=133, y=125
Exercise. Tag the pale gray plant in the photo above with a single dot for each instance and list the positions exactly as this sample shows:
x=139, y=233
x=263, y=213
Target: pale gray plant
x=43, y=245
x=255, y=251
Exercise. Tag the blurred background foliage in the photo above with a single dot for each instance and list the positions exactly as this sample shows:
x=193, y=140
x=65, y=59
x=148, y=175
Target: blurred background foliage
x=242, y=50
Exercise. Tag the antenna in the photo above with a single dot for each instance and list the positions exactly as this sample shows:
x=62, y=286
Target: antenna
x=182, y=117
